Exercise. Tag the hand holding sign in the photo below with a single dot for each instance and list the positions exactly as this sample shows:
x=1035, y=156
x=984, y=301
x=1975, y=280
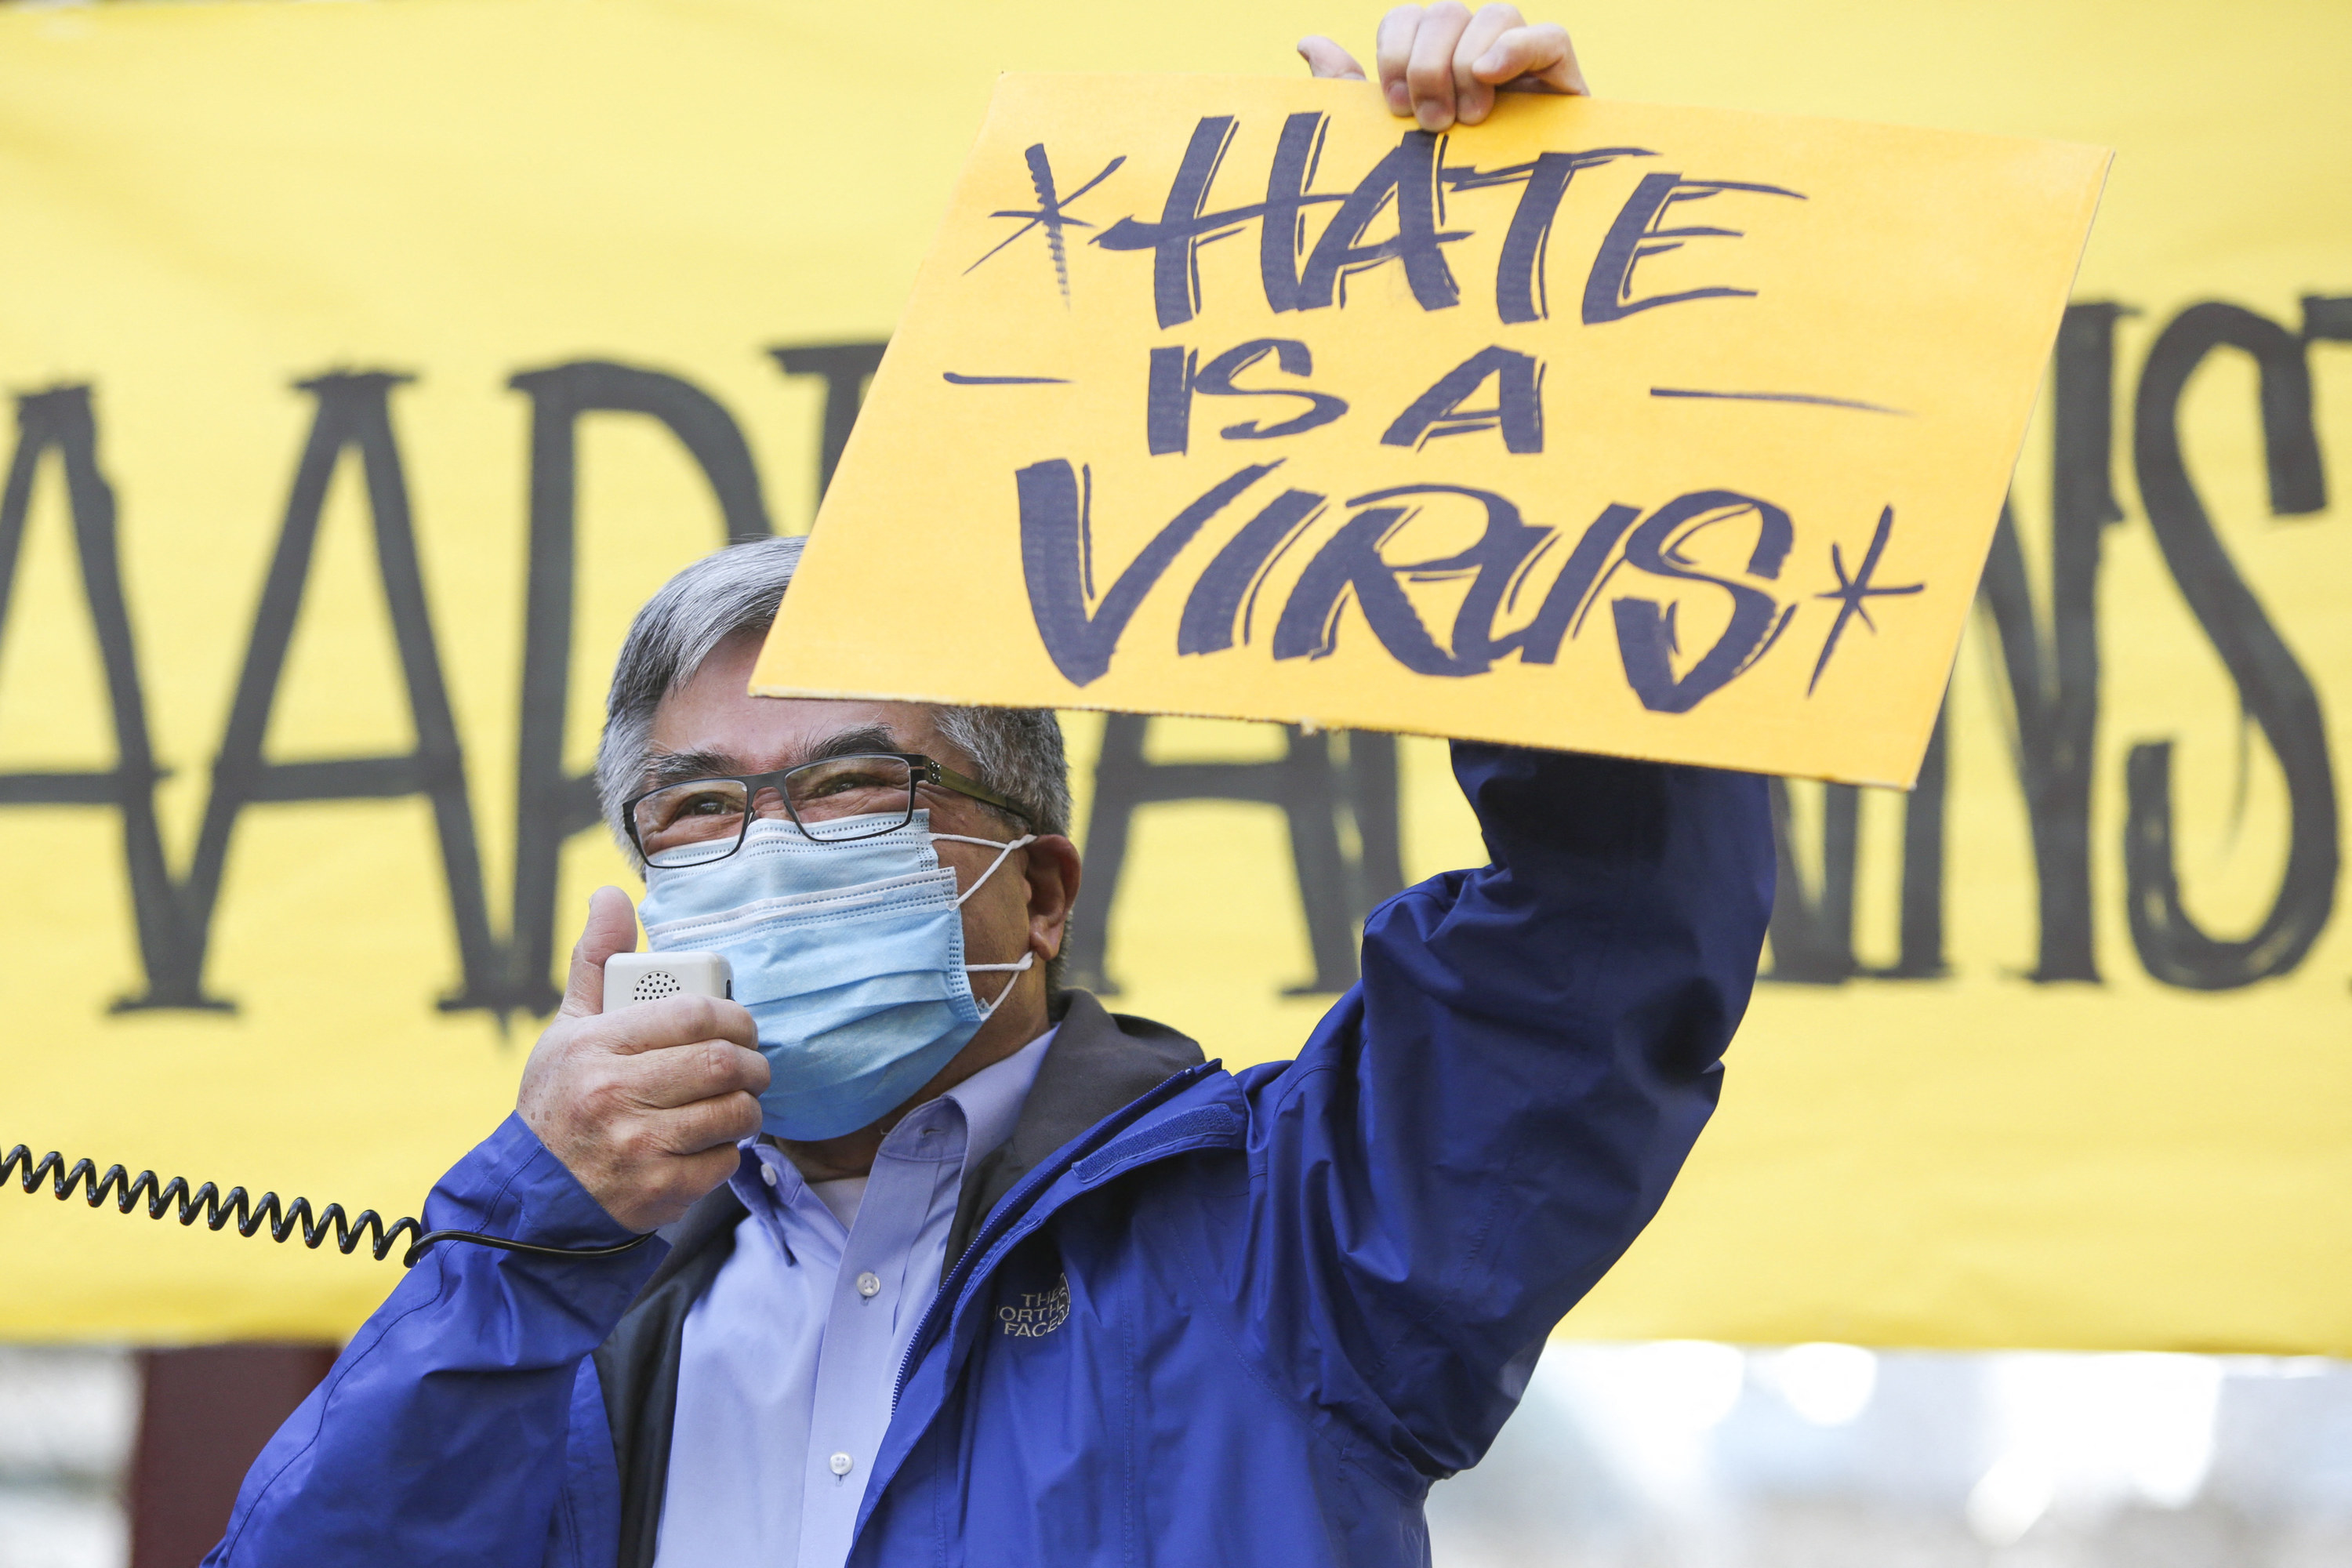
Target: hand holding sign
x=1441, y=65
x=1668, y=432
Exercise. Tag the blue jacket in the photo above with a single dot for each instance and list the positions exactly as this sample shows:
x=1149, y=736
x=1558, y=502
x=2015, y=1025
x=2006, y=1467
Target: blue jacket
x=1244, y=1318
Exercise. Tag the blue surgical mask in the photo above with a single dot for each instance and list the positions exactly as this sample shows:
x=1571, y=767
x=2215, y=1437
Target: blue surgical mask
x=849, y=955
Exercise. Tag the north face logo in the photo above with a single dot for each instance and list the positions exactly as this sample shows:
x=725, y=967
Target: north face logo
x=1036, y=1313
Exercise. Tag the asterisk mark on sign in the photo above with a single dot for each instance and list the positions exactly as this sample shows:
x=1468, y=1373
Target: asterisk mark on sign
x=1052, y=214
x=1854, y=594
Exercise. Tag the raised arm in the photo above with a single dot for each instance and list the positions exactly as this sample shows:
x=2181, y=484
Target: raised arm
x=1475, y=1133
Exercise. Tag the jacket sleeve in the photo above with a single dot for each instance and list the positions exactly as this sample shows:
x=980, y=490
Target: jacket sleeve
x=446, y=1432
x=1478, y=1130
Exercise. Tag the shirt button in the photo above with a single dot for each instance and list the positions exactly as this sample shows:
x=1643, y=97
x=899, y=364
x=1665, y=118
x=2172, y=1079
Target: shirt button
x=767, y=1173
x=869, y=1286
x=840, y=1463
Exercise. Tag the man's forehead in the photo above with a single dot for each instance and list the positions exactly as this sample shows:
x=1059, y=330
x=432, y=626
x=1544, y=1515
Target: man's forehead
x=762, y=734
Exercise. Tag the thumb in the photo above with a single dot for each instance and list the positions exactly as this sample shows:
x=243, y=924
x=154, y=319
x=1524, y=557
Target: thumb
x=1325, y=58
x=612, y=928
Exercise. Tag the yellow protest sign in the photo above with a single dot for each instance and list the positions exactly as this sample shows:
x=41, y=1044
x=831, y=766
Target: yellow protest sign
x=1666, y=432
x=2050, y=1051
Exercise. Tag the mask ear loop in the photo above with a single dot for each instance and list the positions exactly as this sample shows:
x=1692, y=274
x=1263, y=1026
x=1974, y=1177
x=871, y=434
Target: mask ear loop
x=1026, y=960
x=1002, y=849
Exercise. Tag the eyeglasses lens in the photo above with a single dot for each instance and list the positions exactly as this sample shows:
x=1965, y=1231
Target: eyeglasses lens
x=851, y=797
x=688, y=824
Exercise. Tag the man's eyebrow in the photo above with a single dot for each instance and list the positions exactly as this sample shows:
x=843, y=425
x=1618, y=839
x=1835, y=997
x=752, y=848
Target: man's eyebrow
x=667, y=767
x=676, y=767
x=851, y=743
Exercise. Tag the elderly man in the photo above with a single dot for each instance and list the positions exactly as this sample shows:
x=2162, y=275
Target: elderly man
x=953, y=1265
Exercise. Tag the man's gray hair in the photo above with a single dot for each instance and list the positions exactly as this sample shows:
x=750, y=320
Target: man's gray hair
x=1016, y=752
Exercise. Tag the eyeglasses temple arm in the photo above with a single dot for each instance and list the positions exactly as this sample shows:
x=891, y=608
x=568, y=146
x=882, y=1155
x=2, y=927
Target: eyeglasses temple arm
x=935, y=774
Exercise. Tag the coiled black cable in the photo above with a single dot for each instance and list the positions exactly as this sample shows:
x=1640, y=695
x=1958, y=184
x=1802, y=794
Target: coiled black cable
x=218, y=1209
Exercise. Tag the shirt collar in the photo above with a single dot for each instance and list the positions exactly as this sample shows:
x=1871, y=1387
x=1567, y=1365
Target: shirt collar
x=992, y=1098
x=989, y=1102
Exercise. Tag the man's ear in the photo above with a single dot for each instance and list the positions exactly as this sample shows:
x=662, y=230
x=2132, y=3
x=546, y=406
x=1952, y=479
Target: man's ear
x=1054, y=873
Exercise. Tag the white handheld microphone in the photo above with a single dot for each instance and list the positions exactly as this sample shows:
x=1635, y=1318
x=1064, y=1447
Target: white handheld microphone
x=632, y=977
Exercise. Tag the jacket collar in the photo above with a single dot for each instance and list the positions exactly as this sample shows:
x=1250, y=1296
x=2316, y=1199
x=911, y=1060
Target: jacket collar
x=1099, y=1063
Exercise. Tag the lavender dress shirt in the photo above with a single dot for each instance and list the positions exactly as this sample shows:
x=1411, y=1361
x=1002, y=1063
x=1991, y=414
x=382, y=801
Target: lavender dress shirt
x=789, y=1359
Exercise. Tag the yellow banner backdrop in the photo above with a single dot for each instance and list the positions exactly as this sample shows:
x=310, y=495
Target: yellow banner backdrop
x=371, y=363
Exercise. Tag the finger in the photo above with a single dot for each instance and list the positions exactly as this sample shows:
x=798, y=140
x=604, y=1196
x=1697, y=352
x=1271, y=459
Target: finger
x=1394, y=52
x=1474, y=100
x=1430, y=72
x=688, y=1074
x=612, y=928
x=692, y=1177
x=1325, y=58
x=1538, y=59
x=707, y=1126
x=677, y=1021
x=658, y=1196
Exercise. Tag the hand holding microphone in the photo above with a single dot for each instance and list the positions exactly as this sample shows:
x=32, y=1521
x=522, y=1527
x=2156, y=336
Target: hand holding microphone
x=644, y=1104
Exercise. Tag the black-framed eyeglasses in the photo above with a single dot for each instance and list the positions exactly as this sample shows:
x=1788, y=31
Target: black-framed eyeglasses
x=839, y=799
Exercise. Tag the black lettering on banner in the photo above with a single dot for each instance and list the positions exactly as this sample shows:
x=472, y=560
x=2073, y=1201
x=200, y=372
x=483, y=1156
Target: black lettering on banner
x=1812, y=919
x=1057, y=560
x=1647, y=636
x=1052, y=214
x=551, y=804
x=1282, y=226
x=1219, y=609
x=1352, y=567
x=2327, y=318
x=60, y=420
x=1517, y=411
x=1855, y=590
x=2054, y=681
x=1811, y=927
x=1080, y=622
x=1569, y=599
x=2051, y=666
x=1413, y=175
x=1176, y=238
x=1635, y=237
x=1919, y=928
x=1317, y=793
x=1168, y=401
x=1176, y=377
x=2276, y=694
x=1521, y=294
x=1408, y=178
x=355, y=414
x=845, y=369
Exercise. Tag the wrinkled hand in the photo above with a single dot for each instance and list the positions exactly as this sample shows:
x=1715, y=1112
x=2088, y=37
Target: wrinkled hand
x=1441, y=65
x=644, y=1106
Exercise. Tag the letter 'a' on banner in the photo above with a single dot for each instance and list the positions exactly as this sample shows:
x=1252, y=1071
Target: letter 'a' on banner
x=1667, y=433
